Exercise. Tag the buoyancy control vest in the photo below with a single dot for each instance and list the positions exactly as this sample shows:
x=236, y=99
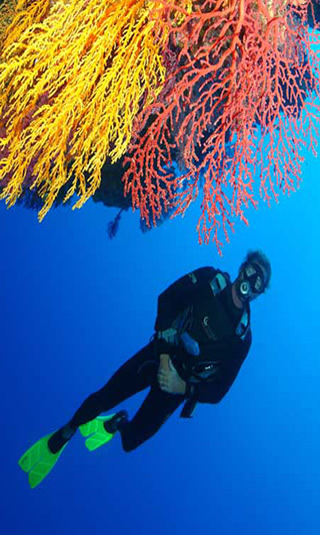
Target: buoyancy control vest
x=195, y=326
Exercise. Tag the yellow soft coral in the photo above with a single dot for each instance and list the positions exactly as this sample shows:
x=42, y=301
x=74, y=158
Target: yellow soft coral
x=73, y=76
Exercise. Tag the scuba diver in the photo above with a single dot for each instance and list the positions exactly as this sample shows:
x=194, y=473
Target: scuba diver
x=202, y=337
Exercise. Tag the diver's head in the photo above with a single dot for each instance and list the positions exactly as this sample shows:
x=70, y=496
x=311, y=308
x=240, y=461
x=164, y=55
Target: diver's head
x=253, y=277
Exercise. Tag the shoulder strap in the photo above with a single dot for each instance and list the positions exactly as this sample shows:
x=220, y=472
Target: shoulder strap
x=219, y=282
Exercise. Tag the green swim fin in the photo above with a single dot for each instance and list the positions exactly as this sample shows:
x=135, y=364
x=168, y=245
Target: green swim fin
x=38, y=461
x=96, y=432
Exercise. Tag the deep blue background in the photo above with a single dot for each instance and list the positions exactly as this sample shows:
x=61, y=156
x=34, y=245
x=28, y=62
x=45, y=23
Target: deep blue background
x=75, y=305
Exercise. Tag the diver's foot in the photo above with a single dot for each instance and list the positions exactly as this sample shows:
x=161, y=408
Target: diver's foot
x=116, y=422
x=60, y=438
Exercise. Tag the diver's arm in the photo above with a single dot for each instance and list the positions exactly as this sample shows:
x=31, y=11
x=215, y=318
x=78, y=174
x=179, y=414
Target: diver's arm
x=180, y=295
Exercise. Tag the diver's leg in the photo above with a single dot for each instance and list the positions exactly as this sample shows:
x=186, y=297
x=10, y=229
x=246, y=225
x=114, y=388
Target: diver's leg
x=154, y=411
x=132, y=377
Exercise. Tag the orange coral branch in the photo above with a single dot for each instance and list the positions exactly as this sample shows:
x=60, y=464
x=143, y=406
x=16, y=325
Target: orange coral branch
x=246, y=66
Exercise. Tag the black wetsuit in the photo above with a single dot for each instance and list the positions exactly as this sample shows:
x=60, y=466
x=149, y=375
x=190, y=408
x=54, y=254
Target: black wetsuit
x=213, y=316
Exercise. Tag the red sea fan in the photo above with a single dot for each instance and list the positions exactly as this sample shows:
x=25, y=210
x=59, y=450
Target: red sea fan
x=237, y=109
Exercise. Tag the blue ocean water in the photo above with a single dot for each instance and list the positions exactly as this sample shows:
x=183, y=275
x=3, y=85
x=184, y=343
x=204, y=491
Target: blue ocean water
x=75, y=305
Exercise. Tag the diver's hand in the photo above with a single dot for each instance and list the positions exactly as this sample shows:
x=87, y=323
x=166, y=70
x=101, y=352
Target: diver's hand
x=168, y=378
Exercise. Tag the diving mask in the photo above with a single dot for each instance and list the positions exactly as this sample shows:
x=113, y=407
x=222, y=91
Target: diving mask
x=251, y=282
